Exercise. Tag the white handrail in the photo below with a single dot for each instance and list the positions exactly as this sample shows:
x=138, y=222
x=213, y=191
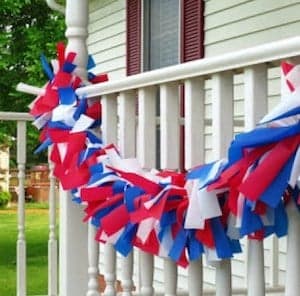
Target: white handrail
x=15, y=116
x=272, y=51
x=29, y=89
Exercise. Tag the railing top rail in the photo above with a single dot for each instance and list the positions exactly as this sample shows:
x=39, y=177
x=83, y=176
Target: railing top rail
x=15, y=116
x=273, y=51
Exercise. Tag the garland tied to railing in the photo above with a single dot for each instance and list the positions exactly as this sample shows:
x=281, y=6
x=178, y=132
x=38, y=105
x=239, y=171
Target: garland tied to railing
x=167, y=213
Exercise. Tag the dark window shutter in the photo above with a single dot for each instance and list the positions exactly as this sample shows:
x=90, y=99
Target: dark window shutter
x=133, y=36
x=192, y=30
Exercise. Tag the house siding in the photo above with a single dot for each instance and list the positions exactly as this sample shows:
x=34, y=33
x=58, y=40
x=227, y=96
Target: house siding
x=107, y=37
x=229, y=26
x=233, y=25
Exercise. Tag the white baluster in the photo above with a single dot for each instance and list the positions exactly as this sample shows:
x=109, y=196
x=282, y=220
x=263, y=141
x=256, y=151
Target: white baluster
x=255, y=79
x=109, y=130
x=292, y=286
x=222, y=113
x=127, y=123
x=194, y=122
x=222, y=131
x=21, y=242
x=127, y=272
x=147, y=127
x=93, y=253
x=147, y=156
x=255, y=276
x=255, y=92
x=223, y=278
x=127, y=148
x=194, y=154
x=110, y=270
x=274, y=275
x=146, y=269
x=169, y=126
x=169, y=146
x=52, y=242
x=109, y=118
x=73, y=233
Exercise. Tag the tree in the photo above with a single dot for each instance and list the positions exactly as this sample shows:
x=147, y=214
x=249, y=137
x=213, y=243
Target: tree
x=27, y=29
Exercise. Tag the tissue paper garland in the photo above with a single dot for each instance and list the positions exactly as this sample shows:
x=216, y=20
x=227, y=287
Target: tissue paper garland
x=167, y=213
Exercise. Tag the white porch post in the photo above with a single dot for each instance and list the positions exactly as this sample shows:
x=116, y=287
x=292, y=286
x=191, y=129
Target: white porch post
x=73, y=265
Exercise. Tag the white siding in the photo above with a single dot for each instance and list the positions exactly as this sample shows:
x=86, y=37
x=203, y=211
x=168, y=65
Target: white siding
x=233, y=25
x=106, y=41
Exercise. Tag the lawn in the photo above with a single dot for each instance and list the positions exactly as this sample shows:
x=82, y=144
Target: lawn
x=37, y=240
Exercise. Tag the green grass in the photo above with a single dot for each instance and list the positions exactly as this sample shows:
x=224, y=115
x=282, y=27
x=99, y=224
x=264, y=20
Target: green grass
x=36, y=237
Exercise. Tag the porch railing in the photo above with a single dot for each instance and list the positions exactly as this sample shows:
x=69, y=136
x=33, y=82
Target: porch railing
x=209, y=84
x=21, y=120
x=222, y=95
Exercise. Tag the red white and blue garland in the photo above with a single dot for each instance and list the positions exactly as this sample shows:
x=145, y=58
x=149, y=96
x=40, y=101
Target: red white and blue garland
x=167, y=213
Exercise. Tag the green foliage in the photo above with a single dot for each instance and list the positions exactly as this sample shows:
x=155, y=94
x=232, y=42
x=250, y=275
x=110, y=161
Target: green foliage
x=5, y=197
x=36, y=239
x=27, y=29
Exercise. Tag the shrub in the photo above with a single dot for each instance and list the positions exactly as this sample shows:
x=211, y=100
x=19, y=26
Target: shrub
x=5, y=197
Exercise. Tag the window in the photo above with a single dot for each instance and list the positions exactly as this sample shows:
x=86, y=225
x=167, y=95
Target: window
x=173, y=32
x=161, y=33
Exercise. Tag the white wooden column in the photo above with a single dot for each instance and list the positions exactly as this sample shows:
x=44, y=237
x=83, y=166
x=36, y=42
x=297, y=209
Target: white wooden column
x=169, y=149
x=146, y=153
x=73, y=248
x=194, y=155
x=127, y=148
x=21, y=242
x=73, y=265
x=255, y=93
x=52, y=242
x=109, y=130
x=222, y=132
x=76, y=32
